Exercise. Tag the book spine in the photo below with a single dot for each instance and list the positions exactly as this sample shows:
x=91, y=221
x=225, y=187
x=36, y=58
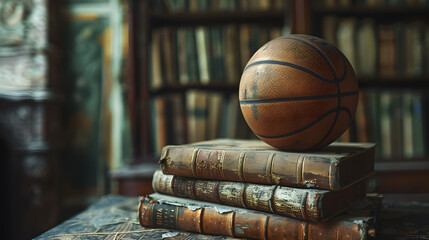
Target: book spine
x=243, y=224
x=264, y=167
x=268, y=198
x=304, y=204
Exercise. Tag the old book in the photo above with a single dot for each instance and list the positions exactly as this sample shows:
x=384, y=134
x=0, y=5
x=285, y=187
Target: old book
x=387, y=52
x=400, y=48
x=176, y=123
x=413, y=127
x=231, y=53
x=202, y=35
x=396, y=114
x=182, y=62
x=214, y=110
x=216, y=50
x=346, y=39
x=330, y=24
x=361, y=118
x=244, y=39
x=414, y=49
x=158, y=121
x=374, y=119
x=156, y=80
x=169, y=52
x=333, y=167
x=385, y=123
x=233, y=116
x=419, y=120
x=196, y=109
x=164, y=211
x=366, y=54
x=191, y=55
x=307, y=204
x=230, y=124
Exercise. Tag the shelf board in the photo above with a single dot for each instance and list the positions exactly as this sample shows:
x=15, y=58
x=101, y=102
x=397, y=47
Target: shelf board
x=220, y=87
x=217, y=17
x=404, y=165
x=404, y=83
x=379, y=12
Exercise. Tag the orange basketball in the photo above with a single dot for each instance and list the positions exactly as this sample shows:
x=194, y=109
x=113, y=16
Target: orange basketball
x=298, y=92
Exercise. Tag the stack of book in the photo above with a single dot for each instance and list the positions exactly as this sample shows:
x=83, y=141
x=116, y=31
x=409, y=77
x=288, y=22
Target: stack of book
x=248, y=189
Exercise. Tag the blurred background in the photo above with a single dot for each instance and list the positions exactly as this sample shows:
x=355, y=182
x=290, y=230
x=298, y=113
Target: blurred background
x=91, y=90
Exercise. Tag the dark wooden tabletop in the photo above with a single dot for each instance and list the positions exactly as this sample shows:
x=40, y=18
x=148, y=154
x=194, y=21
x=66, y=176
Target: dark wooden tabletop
x=115, y=217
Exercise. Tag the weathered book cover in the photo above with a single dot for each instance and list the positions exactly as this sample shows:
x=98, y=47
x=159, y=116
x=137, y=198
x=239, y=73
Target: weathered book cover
x=164, y=211
x=307, y=204
x=334, y=167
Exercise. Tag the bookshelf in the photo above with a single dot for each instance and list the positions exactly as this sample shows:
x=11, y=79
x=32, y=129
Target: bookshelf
x=305, y=17
x=150, y=23
x=396, y=35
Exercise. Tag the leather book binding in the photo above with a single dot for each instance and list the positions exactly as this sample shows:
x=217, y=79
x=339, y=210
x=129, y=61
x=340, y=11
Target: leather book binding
x=307, y=204
x=182, y=214
x=334, y=167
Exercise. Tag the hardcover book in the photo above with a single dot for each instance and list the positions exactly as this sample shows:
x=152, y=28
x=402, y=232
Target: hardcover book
x=307, y=204
x=334, y=167
x=170, y=212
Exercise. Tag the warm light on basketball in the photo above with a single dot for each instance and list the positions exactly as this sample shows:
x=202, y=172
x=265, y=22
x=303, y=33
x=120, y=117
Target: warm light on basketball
x=298, y=92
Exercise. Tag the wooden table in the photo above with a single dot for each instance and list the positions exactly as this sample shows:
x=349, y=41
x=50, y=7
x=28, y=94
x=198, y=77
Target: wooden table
x=115, y=217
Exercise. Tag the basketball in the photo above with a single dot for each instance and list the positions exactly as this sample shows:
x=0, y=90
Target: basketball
x=298, y=93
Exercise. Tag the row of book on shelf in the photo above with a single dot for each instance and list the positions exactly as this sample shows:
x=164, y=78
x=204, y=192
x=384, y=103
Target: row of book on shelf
x=393, y=119
x=218, y=5
x=398, y=49
x=196, y=115
x=204, y=54
x=248, y=189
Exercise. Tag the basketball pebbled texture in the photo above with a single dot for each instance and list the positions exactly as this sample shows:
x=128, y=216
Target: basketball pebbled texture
x=298, y=92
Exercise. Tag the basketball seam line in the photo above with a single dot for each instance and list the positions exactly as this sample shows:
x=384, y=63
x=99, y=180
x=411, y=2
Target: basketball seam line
x=335, y=119
x=324, y=58
x=276, y=100
x=337, y=80
x=288, y=64
x=335, y=122
x=309, y=125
